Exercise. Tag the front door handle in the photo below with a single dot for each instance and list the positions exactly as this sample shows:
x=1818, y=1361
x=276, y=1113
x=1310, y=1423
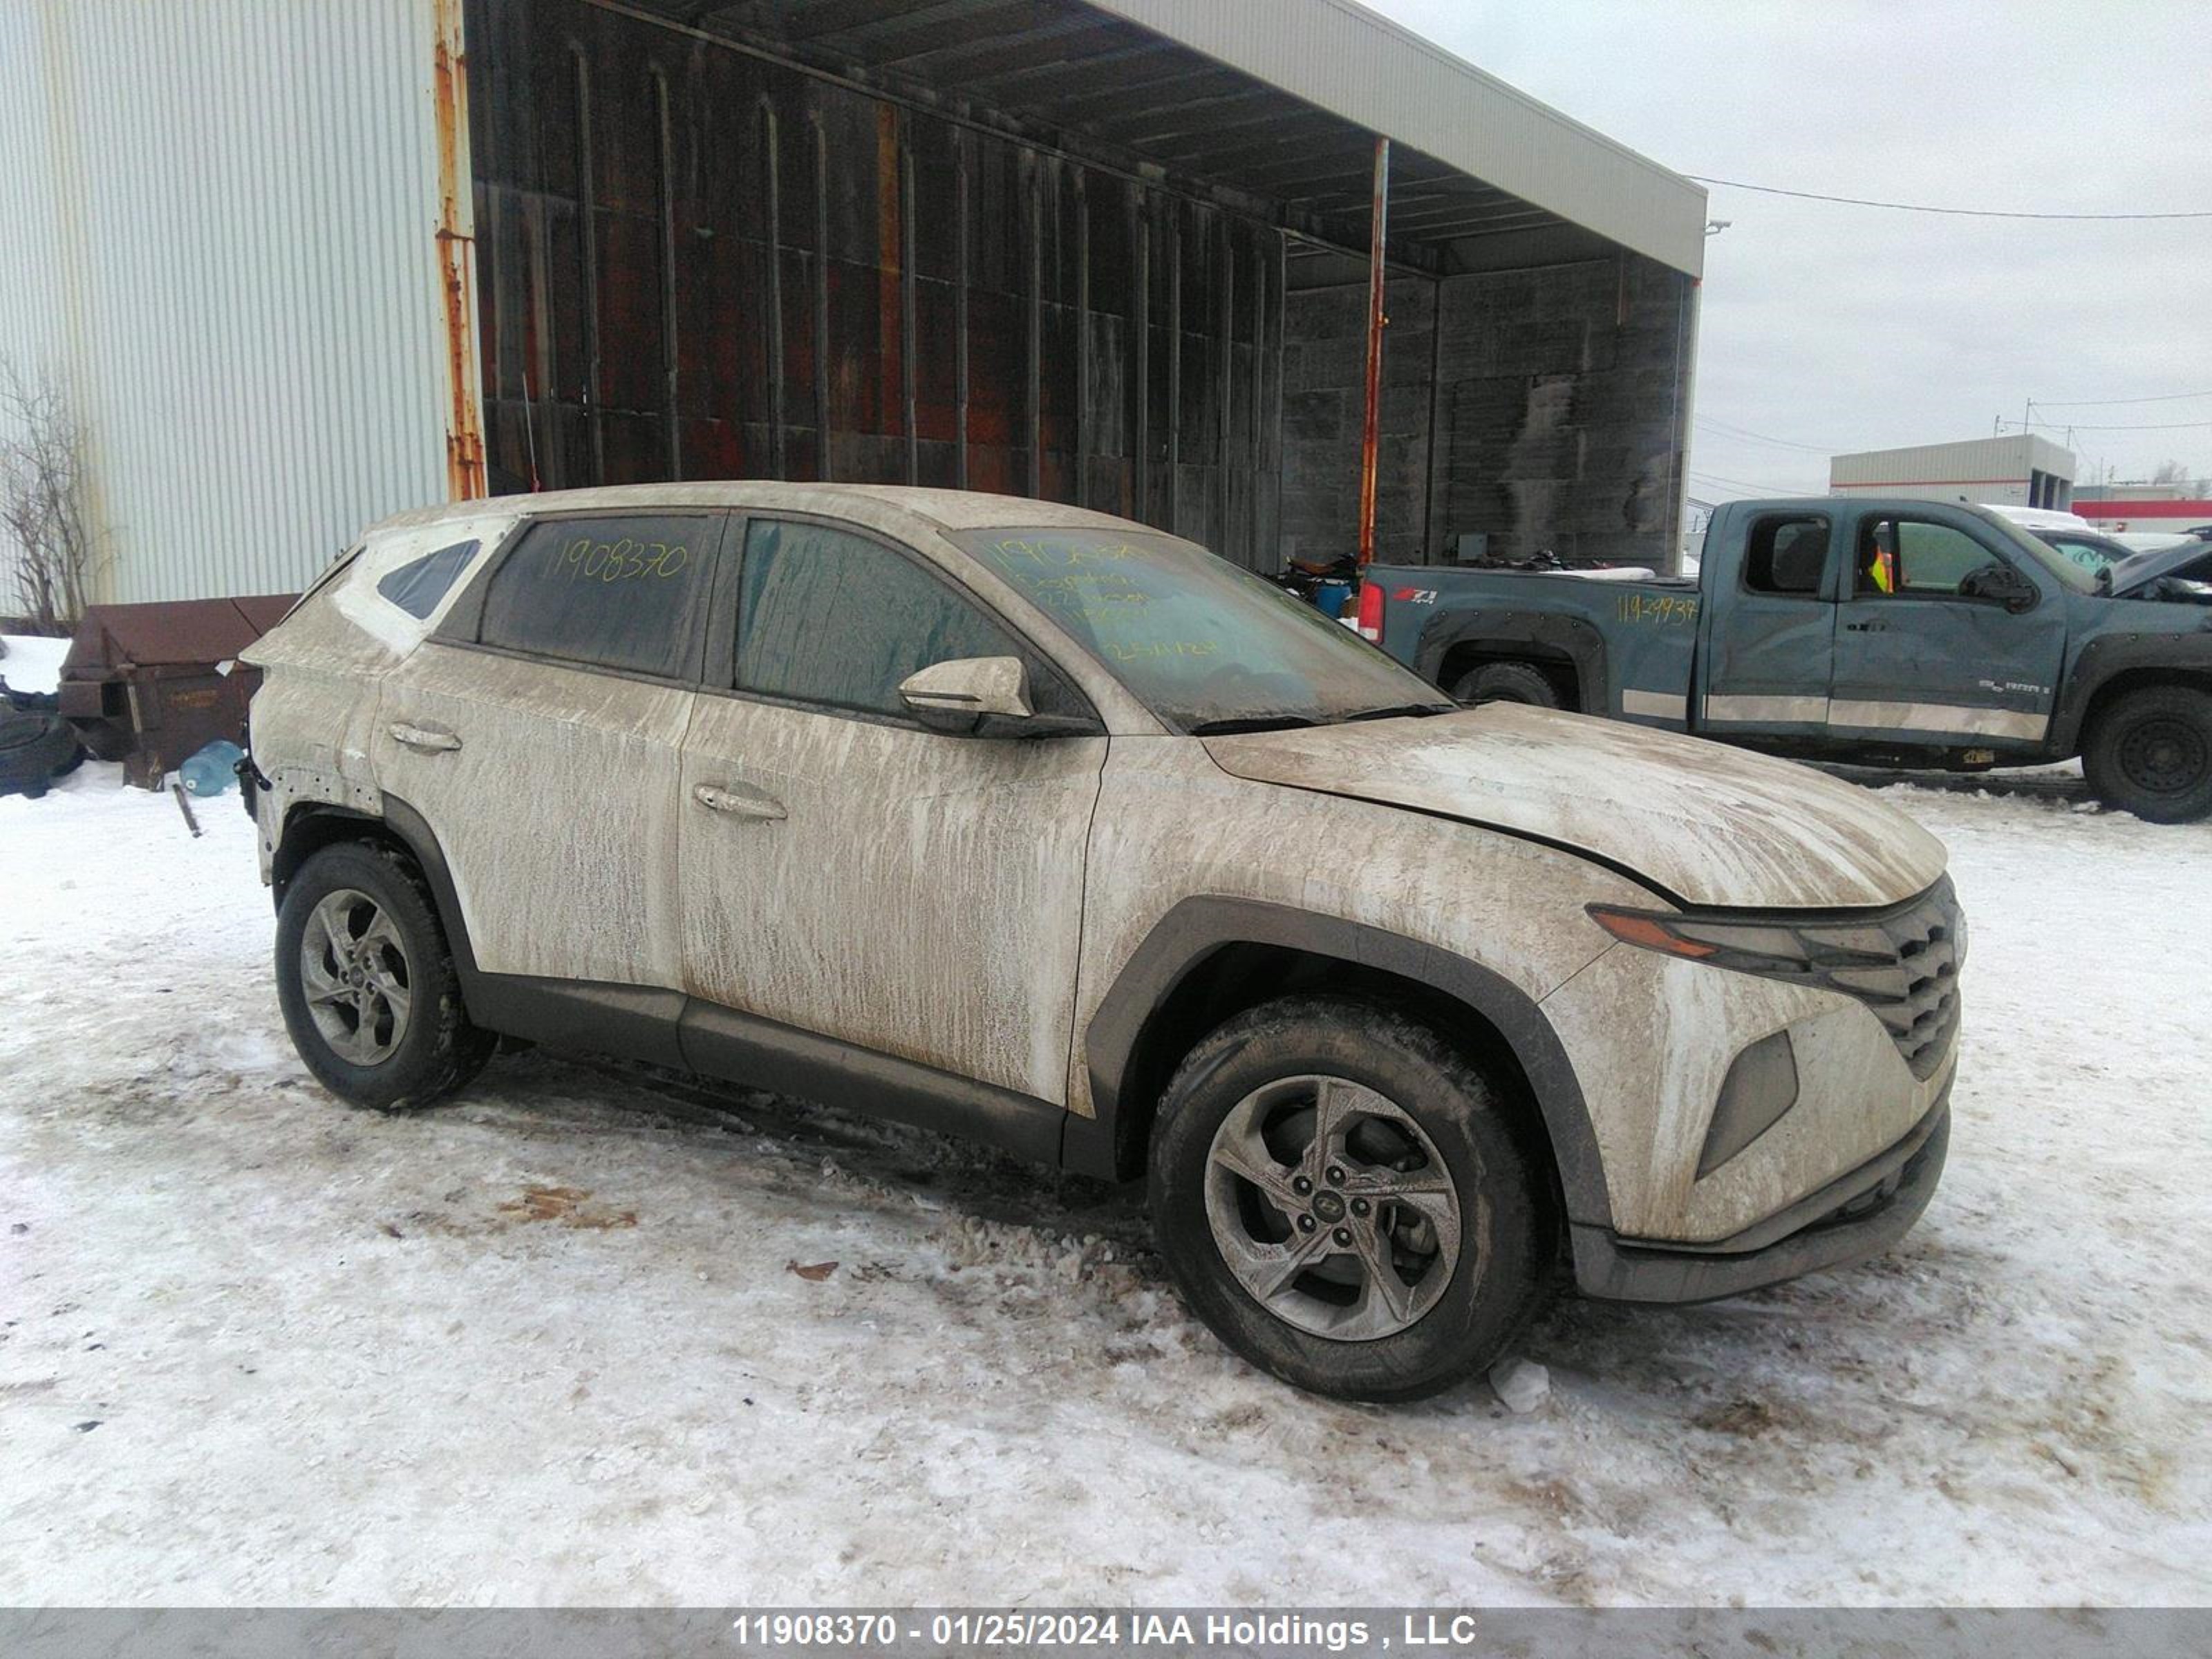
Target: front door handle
x=416, y=737
x=738, y=800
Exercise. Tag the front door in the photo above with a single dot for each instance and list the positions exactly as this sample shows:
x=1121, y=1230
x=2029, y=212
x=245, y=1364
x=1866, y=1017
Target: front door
x=538, y=734
x=1918, y=658
x=847, y=872
x=1769, y=647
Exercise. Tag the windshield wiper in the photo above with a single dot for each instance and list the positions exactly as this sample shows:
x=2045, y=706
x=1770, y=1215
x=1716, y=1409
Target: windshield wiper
x=1223, y=728
x=1403, y=711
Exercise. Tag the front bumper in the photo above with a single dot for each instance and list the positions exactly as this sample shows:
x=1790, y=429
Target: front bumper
x=1859, y=1215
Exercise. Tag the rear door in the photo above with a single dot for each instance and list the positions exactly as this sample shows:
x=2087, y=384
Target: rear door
x=539, y=731
x=849, y=872
x=1920, y=661
x=1769, y=648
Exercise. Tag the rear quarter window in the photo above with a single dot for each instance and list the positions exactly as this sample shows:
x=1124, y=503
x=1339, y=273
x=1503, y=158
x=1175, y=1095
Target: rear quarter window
x=417, y=586
x=627, y=594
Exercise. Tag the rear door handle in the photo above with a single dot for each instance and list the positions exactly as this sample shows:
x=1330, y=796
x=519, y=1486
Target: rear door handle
x=737, y=801
x=416, y=737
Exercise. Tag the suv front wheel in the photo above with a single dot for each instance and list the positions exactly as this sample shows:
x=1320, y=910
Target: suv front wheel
x=367, y=981
x=1343, y=1198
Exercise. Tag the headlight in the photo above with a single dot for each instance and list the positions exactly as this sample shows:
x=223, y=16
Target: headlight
x=1749, y=947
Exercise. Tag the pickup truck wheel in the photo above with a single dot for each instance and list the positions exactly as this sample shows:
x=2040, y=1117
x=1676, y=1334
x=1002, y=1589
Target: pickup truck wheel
x=2150, y=754
x=367, y=982
x=1506, y=682
x=1343, y=1198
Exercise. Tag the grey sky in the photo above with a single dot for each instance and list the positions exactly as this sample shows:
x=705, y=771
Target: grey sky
x=1849, y=328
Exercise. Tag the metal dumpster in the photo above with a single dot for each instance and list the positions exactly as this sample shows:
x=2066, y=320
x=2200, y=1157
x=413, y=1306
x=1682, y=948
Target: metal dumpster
x=149, y=684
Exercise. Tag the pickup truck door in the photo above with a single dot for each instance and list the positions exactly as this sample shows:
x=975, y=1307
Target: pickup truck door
x=1769, y=632
x=1920, y=661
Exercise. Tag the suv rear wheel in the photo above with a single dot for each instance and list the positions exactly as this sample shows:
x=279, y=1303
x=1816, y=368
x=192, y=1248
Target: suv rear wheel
x=367, y=981
x=2150, y=753
x=1343, y=1198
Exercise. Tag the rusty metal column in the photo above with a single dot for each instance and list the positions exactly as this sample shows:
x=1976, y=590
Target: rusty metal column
x=1371, y=425
x=456, y=237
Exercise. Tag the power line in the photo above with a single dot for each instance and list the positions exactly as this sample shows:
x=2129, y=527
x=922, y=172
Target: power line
x=1742, y=483
x=1732, y=431
x=2075, y=426
x=1917, y=207
x=2105, y=402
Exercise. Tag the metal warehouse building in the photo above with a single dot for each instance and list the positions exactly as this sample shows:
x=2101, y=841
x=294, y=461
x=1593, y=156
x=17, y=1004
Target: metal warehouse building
x=303, y=263
x=2016, y=469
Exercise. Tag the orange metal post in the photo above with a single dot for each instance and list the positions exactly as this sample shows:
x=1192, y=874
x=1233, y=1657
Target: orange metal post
x=1371, y=425
x=464, y=449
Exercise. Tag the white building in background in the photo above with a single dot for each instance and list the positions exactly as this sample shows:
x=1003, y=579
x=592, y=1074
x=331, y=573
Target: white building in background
x=2017, y=469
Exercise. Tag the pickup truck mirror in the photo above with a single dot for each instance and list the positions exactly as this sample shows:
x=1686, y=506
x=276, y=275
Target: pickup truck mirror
x=1999, y=582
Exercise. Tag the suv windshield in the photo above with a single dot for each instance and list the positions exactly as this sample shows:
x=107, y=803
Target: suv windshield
x=1205, y=646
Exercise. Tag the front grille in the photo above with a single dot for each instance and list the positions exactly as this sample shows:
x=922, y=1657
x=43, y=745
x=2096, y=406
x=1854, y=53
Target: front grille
x=1904, y=965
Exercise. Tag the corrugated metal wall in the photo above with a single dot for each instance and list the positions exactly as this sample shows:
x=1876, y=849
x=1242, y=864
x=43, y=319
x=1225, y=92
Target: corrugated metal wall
x=694, y=263
x=220, y=227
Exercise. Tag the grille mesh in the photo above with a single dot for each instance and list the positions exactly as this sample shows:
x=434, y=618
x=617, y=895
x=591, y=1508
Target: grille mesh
x=1904, y=967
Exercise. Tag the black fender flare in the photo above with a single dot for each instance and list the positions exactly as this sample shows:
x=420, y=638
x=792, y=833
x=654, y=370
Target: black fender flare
x=2185, y=657
x=412, y=830
x=1508, y=633
x=1197, y=927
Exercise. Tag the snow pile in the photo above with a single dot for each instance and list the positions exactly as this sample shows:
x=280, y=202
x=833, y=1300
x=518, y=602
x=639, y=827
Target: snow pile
x=571, y=1340
x=31, y=662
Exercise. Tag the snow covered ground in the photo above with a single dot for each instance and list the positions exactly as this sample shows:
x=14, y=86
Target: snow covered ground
x=551, y=1345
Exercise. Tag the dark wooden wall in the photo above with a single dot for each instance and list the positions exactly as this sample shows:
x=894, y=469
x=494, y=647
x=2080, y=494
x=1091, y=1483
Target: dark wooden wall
x=693, y=262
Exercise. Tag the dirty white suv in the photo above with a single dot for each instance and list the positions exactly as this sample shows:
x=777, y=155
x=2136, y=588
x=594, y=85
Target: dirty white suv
x=1034, y=824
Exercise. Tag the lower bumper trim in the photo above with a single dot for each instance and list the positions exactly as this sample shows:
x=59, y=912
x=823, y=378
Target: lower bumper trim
x=1859, y=1216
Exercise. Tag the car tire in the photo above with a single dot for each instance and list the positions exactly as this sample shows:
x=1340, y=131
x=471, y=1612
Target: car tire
x=1506, y=682
x=367, y=981
x=1463, y=1290
x=2150, y=753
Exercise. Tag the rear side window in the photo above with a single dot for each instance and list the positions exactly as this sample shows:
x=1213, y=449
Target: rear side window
x=627, y=593
x=417, y=586
x=1787, y=557
x=826, y=617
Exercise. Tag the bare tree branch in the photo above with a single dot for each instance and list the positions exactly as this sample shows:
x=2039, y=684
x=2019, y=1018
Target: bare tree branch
x=42, y=495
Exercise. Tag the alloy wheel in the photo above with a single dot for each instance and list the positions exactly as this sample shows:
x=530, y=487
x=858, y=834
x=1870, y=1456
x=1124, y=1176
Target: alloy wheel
x=1332, y=1207
x=354, y=970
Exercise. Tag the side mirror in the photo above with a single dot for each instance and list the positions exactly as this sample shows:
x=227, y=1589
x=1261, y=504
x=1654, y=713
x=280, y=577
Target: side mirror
x=969, y=696
x=2000, y=583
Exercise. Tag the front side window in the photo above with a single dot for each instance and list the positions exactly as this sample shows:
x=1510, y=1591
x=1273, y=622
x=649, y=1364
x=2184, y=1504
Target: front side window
x=829, y=617
x=1913, y=556
x=626, y=592
x=1202, y=644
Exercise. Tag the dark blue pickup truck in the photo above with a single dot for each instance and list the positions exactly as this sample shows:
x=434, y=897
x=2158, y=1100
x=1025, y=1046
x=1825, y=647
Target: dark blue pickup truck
x=1886, y=632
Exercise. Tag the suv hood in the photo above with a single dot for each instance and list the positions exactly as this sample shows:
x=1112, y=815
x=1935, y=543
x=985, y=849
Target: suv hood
x=2132, y=578
x=1711, y=825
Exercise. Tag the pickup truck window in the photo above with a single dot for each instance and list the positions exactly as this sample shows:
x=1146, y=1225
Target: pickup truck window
x=1203, y=644
x=1911, y=556
x=1786, y=554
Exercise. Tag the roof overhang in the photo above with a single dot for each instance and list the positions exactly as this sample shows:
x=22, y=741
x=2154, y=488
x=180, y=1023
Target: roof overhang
x=1270, y=104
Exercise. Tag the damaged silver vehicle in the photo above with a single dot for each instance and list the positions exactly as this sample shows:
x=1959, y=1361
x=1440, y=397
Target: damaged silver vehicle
x=1034, y=824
